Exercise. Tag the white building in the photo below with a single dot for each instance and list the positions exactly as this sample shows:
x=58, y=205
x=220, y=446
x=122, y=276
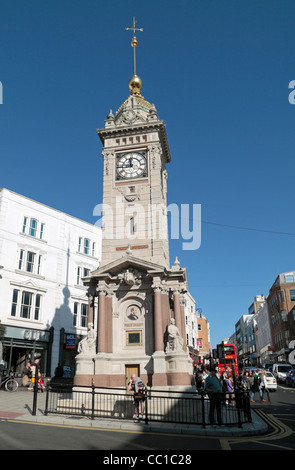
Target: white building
x=44, y=253
x=191, y=322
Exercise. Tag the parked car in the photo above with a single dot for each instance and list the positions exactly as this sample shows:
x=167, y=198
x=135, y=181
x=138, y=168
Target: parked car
x=280, y=371
x=271, y=381
x=290, y=379
x=251, y=370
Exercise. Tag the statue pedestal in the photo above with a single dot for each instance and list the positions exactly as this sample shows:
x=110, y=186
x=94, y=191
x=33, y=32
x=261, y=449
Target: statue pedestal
x=178, y=361
x=179, y=369
x=172, y=369
x=84, y=370
x=84, y=365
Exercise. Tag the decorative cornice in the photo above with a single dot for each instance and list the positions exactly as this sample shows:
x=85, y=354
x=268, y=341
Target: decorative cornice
x=117, y=131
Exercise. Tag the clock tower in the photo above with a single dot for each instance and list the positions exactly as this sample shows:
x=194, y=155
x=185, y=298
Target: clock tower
x=135, y=152
x=136, y=300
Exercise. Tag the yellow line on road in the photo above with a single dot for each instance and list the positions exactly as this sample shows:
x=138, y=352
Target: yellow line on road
x=281, y=431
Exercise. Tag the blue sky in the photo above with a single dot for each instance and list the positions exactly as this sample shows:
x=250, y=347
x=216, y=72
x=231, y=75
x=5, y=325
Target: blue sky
x=218, y=73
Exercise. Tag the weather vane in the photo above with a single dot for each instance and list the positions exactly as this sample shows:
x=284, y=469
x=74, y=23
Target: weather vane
x=134, y=43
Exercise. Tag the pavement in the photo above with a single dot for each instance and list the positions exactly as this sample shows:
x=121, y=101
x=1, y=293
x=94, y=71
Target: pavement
x=18, y=406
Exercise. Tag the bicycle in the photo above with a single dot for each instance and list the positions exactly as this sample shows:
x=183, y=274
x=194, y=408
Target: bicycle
x=9, y=383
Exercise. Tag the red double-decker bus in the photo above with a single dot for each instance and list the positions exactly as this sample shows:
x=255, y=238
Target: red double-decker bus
x=228, y=359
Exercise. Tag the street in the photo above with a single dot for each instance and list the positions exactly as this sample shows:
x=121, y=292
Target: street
x=280, y=416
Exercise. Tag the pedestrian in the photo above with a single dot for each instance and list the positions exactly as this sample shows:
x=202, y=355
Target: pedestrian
x=199, y=381
x=26, y=375
x=214, y=390
x=247, y=381
x=224, y=386
x=58, y=371
x=228, y=372
x=230, y=389
x=40, y=382
x=256, y=388
x=204, y=374
x=264, y=387
x=137, y=386
x=242, y=384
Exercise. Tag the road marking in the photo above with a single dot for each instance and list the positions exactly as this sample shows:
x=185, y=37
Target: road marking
x=280, y=431
x=224, y=444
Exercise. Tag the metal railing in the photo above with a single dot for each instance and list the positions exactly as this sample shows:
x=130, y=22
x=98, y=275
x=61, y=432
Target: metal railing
x=160, y=406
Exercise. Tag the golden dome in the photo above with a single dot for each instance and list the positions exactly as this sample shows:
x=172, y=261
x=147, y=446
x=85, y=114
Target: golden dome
x=135, y=85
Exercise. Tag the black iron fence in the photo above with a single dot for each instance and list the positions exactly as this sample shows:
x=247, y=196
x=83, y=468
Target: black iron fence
x=161, y=406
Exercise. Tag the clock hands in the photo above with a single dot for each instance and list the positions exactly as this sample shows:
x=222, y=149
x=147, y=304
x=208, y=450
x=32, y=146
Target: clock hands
x=131, y=164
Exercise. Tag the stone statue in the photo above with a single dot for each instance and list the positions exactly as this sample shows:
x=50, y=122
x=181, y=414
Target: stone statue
x=174, y=341
x=87, y=344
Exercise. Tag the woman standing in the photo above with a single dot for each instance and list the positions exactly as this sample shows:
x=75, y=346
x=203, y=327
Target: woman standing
x=264, y=385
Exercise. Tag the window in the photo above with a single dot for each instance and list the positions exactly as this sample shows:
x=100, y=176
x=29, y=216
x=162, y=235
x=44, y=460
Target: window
x=29, y=262
x=86, y=247
x=75, y=322
x=292, y=294
x=289, y=278
x=80, y=319
x=81, y=272
x=26, y=305
x=37, y=307
x=21, y=259
x=31, y=228
x=78, y=280
x=14, y=302
x=25, y=224
x=284, y=316
x=41, y=231
x=84, y=315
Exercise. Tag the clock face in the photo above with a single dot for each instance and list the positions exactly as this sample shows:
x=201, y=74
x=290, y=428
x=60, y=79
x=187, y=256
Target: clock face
x=131, y=165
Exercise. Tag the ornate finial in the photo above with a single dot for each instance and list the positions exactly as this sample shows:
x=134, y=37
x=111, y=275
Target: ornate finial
x=128, y=251
x=135, y=82
x=176, y=264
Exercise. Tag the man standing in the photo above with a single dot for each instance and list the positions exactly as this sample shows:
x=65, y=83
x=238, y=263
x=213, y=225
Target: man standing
x=214, y=390
x=137, y=386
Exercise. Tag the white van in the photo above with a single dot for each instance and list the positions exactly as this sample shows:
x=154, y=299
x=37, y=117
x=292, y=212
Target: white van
x=280, y=371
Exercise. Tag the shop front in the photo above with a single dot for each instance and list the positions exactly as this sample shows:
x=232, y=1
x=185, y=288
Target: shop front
x=22, y=345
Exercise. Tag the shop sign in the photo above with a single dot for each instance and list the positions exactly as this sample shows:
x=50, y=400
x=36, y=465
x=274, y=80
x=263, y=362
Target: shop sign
x=28, y=335
x=199, y=343
x=36, y=335
x=70, y=341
